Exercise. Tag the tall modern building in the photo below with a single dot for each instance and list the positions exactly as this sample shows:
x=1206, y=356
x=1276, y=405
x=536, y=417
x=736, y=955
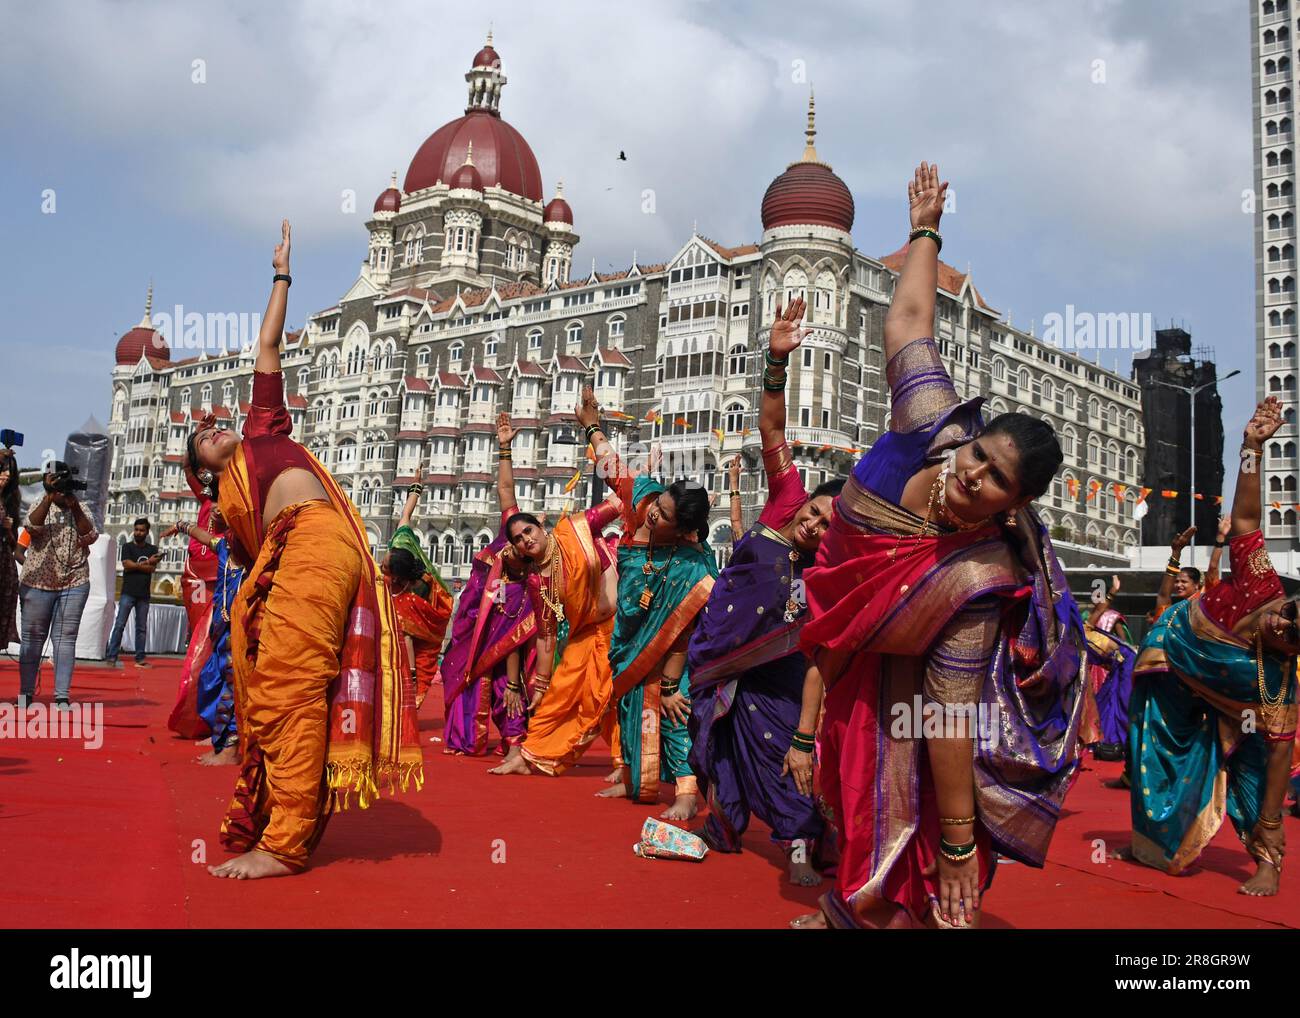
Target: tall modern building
x=1168, y=411
x=1273, y=33
x=466, y=304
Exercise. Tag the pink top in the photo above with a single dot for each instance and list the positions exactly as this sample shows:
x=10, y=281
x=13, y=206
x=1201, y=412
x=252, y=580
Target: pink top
x=785, y=491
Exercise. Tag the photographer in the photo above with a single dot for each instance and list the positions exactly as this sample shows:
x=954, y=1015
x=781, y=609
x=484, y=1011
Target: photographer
x=139, y=560
x=10, y=507
x=55, y=584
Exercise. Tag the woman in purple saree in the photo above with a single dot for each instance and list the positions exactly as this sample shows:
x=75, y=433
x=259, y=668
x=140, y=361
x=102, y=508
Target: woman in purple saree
x=750, y=741
x=493, y=636
x=945, y=633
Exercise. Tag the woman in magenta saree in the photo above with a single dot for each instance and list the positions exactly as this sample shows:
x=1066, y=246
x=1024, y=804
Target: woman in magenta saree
x=946, y=636
x=490, y=636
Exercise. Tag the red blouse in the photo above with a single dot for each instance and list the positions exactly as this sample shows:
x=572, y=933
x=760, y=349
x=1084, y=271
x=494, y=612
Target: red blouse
x=266, y=433
x=1252, y=584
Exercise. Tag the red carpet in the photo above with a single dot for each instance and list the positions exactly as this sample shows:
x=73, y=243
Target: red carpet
x=113, y=837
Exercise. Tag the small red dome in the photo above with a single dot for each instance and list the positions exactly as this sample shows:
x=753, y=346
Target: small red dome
x=557, y=211
x=486, y=57
x=390, y=200
x=466, y=178
x=808, y=194
x=141, y=340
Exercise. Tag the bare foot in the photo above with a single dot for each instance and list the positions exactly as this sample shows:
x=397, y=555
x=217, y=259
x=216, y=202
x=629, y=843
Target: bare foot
x=803, y=874
x=1263, y=884
x=615, y=791
x=811, y=921
x=683, y=808
x=614, y=776
x=514, y=763
x=229, y=755
x=251, y=866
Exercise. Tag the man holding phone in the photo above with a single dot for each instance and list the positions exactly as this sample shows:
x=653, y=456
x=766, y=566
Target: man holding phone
x=139, y=560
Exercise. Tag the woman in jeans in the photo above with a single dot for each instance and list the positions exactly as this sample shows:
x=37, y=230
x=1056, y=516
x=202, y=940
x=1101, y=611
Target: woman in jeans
x=55, y=583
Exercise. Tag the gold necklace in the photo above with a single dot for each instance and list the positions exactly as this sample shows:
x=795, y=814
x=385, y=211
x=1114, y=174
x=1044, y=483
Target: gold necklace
x=925, y=523
x=649, y=570
x=1269, y=706
x=551, y=585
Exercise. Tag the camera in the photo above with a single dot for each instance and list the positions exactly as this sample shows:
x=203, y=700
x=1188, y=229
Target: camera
x=65, y=479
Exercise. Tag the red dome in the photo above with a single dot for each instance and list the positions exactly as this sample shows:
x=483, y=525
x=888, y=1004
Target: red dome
x=557, y=211
x=808, y=194
x=501, y=156
x=466, y=178
x=486, y=57
x=141, y=340
x=389, y=201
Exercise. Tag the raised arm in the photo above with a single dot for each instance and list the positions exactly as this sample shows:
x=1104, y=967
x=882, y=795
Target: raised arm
x=505, y=468
x=786, y=334
x=412, y=499
x=268, y=338
x=1246, y=510
x=1102, y=604
x=737, y=516
x=911, y=312
x=1213, y=573
x=1165, y=596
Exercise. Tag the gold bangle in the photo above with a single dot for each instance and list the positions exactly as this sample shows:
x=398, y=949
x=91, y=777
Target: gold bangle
x=956, y=821
x=1271, y=825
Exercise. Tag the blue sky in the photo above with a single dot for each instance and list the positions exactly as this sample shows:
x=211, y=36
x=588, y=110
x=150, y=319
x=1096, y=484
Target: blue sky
x=1122, y=195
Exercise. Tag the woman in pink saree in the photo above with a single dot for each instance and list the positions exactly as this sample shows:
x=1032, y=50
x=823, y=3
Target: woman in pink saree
x=945, y=634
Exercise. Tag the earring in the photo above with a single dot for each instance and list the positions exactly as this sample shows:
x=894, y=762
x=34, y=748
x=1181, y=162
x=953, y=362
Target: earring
x=1010, y=519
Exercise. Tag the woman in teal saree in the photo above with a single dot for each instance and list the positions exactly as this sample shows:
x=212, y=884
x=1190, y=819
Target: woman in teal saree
x=1213, y=717
x=665, y=576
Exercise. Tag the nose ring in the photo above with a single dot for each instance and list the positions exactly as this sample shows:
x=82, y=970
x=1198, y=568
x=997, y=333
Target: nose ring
x=976, y=485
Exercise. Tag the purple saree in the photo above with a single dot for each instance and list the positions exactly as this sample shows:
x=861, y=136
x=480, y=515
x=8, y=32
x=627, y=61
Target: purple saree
x=493, y=619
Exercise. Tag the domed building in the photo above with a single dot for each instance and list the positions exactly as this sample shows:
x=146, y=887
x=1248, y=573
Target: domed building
x=470, y=211
x=467, y=304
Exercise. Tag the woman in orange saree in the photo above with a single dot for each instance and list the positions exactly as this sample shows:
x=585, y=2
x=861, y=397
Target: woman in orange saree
x=319, y=667
x=946, y=636
x=569, y=578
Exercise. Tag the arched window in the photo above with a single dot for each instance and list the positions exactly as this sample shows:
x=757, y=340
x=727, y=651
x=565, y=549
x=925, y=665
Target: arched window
x=573, y=333
x=734, y=418
x=455, y=353
x=738, y=360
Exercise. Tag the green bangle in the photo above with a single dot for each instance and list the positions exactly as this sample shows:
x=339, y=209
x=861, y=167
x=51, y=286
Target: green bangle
x=776, y=362
x=925, y=231
x=956, y=851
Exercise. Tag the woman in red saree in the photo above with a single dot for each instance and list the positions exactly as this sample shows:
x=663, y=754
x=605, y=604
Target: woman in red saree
x=946, y=636
x=319, y=669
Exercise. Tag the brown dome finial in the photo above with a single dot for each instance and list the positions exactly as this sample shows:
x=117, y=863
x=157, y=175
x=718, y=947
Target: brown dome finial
x=810, y=133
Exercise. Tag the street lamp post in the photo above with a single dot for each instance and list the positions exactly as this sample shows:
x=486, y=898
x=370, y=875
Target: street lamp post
x=1192, y=392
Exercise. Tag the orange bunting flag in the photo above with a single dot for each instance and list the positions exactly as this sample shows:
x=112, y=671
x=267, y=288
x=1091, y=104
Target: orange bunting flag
x=1218, y=500
x=1165, y=493
x=1119, y=490
x=681, y=422
x=824, y=448
x=1072, y=486
x=1094, y=486
x=718, y=432
x=1199, y=497
x=1276, y=505
x=652, y=416
x=1143, y=496
x=745, y=432
x=573, y=481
